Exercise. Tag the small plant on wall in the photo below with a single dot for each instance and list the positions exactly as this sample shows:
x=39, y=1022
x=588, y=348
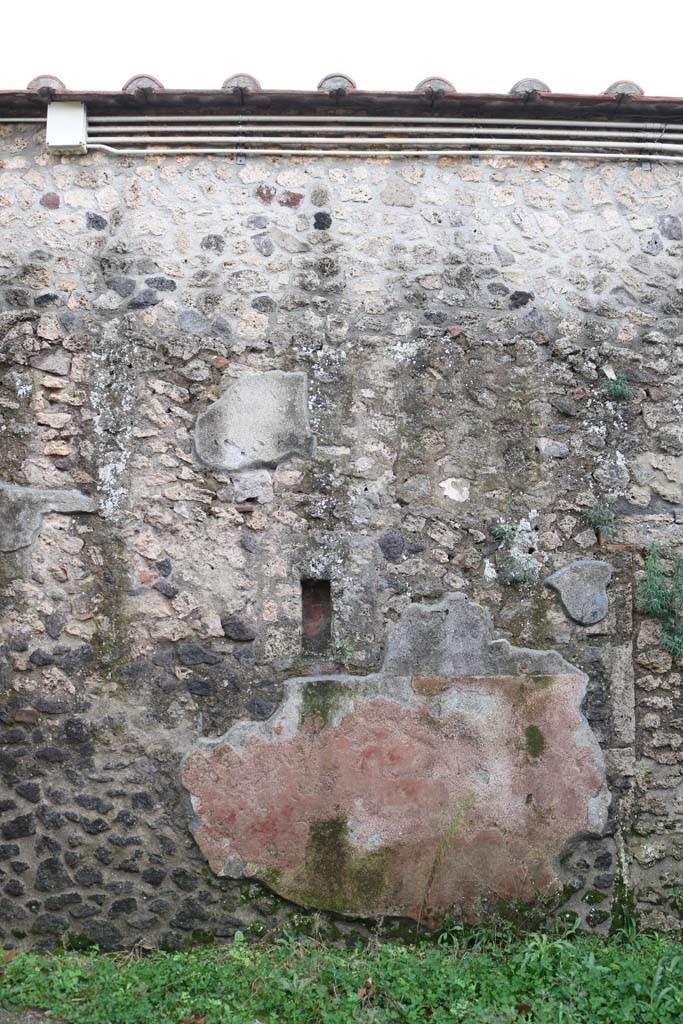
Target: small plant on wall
x=661, y=597
x=345, y=650
x=601, y=518
x=617, y=388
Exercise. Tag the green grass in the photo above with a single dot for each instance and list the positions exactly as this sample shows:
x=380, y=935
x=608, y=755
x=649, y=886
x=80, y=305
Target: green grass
x=580, y=979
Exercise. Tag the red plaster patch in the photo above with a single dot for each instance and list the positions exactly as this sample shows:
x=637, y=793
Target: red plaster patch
x=400, y=810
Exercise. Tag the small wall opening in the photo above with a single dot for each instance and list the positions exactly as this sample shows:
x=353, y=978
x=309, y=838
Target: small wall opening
x=316, y=615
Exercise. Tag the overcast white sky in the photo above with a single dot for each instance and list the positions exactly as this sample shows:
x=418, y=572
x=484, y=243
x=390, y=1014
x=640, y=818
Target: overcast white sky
x=480, y=45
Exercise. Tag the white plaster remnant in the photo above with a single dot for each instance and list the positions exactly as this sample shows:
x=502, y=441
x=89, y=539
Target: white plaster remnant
x=22, y=510
x=260, y=421
x=455, y=488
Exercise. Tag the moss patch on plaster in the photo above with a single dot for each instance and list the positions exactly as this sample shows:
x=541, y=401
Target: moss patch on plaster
x=535, y=742
x=335, y=876
x=320, y=699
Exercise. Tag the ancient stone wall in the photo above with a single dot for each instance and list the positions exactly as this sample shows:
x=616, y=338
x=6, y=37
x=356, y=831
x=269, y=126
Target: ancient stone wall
x=437, y=405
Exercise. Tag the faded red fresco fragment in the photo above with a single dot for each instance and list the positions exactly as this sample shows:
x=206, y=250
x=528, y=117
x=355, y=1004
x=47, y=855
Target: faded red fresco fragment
x=404, y=810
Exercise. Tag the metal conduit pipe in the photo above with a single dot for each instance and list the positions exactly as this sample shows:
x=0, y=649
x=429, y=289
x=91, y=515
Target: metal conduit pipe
x=101, y=132
x=367, y=136
x=455, y=142
x=241, y=151
x=353, y=119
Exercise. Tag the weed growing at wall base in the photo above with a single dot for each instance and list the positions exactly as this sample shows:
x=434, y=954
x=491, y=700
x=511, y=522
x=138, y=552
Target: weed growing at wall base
x=548, y=979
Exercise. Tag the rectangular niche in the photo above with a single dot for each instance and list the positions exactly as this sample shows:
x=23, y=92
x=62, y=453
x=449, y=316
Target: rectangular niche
x=316, y=615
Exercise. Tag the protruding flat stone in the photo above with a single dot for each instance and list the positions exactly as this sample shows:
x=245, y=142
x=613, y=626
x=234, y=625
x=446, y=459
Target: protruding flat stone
x=582, y=589
x=22, y=510
x=453, y=776
x=261, y=420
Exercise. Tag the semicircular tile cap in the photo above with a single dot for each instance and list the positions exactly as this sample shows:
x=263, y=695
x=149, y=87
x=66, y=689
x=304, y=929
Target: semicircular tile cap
x=139, y=83
x=527, y=85
x=45, y=82
x=330, y=83
x=624, y=88
x=435, y=84
x=241, y=81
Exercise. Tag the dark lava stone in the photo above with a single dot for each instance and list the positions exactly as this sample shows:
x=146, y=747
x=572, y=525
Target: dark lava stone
x=226, y=926
x=125, y=906
x=259, y=707
x=102, y=934
x=40, y=657
x=518, y=299
x=670, y=226
x=123, y=286
x=165, y=588
x=199, y=687
x=213, y=243
x=96, y=221
x=322, y=221
x=65, y=899
x=162, y=284
x=88, y=875
x=30, y=791
x=49, y=924
x=11, y=911
x=51, y=876
x=248, y=541
x=263, y=304
x=47, y=845
x=392, y=545
x=18, y=828
x=14, y=888
x=195, y=654
x=53, y=755
x=153, y=876
x=184, y=879
x=264, y=245
x=49, y=818
x=75, y=731
x=50, y=707
x=94, y=826
x=45, y=299
x=238, y=629
x=163, y=566
x=144, y=299
x=18, y=298
x=82, y=911
x=189, y=912
x=54, y=624
x=93, y=803
x=142, y=801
